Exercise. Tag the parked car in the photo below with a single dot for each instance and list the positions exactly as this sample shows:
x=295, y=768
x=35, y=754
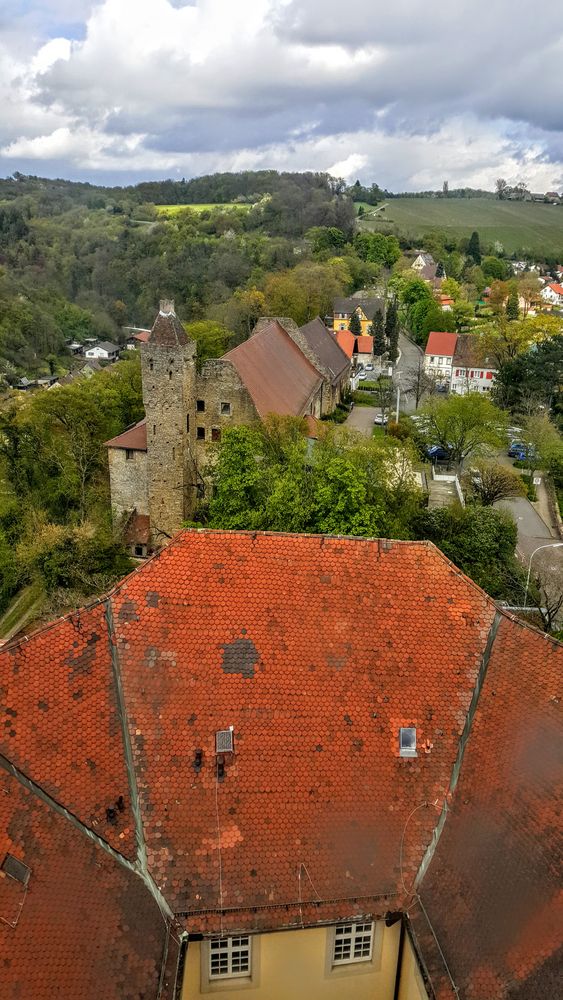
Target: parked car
x=380, y=420
x=441, y=387
x=521, y=451
x=362, y=376
x=437, y=454
x=369, y=368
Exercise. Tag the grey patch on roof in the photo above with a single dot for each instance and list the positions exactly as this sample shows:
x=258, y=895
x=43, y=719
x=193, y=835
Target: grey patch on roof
x=16, y=869
x=239, y=657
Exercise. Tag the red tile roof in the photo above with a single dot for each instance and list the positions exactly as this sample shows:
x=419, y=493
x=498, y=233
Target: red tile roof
x=441, y=343
x=85, y=927
x=493, y=889
x=278, y=377
x=142, y=336
x=264, y=622
x=318, y=817
x=364, y=345
x=346, y=340
x=558, y=289
x=134, y=438
x=61, y=723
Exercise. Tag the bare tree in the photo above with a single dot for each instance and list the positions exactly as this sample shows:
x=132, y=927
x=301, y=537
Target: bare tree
x=383, y=395
x=488, y=482
x=547, y=594
x=419, y=382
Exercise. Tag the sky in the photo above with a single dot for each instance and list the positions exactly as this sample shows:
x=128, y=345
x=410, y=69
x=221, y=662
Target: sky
x=406, y=93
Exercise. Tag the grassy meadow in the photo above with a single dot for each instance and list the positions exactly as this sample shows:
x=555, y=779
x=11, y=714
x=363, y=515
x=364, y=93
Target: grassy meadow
x=518, y=225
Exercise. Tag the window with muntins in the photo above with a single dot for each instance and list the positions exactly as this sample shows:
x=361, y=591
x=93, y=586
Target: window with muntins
x=229, y=958
x=353, y=943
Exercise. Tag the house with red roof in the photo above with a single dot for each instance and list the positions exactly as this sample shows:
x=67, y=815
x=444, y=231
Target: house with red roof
x=552, y=294
x=220, y=778
x=439, y=355
x=156, y=467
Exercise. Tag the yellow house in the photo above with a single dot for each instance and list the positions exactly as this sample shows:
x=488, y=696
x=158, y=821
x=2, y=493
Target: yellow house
x=364, y=308
x=360, y=960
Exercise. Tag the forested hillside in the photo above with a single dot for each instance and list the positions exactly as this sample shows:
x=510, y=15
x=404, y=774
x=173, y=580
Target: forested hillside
x=79, y=261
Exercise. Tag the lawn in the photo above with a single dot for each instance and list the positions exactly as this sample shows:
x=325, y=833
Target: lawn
x=207, y=207
x=537, y=228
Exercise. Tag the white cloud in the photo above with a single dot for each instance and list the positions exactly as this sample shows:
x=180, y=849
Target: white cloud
x=405, y=95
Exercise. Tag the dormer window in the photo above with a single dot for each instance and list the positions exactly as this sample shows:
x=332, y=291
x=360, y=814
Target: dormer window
x=15, y=869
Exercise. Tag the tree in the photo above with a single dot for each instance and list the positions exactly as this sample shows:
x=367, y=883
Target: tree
x=383, y=395
x=464, y=425
x=512, y=307
x=502, y=188
x=543, y=442
x=378, y=330
x=462, y=313
x=445, y=189
x=392, y=330
x=440, y=270
x=474, y=247
x=355, y=325
x=419, y=382
x=546, y=589
x=481, y=541
x=451, y=288
x=529, y=288
x=487, y=483
x=212, y=339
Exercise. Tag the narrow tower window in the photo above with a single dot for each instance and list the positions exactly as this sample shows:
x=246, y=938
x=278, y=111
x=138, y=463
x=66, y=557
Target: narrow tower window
x=151, y=365
x=187, y=422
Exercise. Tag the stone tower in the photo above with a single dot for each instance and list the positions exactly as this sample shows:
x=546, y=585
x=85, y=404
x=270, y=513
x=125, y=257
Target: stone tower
x=168, y=364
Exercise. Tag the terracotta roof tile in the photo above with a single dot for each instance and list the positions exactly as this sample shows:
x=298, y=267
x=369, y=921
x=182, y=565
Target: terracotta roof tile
x=277, y=375
x=493, y=890
x=84, y=927
x=134, y=438
x=264, y=623
x=441, y=343
x=346, y=341
x=60, y=723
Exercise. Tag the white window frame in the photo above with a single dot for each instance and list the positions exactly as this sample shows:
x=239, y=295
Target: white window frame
x=226, y=945
x=225, y=984
x=355, y=934
x=407, y=751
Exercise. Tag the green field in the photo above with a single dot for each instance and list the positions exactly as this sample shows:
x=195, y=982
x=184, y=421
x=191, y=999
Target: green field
x=176, y=209
x=537, y=228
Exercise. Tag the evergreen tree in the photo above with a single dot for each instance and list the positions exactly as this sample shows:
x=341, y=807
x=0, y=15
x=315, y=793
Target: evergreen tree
x=512, y=309
x=440, y=270
x=474, y=247
x=392, y=330
x=355, y=325
x=378, y=330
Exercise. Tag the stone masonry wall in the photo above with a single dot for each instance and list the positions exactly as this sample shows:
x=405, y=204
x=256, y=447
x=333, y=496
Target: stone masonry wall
x=129, y=484
x=218, y=386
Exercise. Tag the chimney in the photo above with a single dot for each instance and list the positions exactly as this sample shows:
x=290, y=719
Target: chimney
x=167, y=307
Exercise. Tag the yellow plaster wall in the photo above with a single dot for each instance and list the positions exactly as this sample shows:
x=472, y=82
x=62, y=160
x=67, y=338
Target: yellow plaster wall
x=293, y=966
x=412, y=986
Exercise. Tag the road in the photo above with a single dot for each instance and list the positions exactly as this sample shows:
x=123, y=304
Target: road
x=361, y=419
x=409, y=358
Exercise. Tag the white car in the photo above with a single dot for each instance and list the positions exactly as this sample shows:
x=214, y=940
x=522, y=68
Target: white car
x=369, y=368
x=380, y=419
x=362, y=376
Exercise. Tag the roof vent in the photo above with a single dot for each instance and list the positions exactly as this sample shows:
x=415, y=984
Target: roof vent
x=224, y=741
x=407, y=742
x=15, y=869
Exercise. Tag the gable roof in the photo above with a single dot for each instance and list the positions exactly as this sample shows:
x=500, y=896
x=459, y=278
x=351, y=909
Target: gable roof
x=469, y=350
x=325, y=348
x=369, y=305
x=441, y=343
x=346, y=341
x=134, y=438
x=142, y=336
x=364, y=345
x=555, y=287
x=277, y=375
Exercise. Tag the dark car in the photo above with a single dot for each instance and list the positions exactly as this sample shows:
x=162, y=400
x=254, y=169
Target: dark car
x=521, y=451
x=437, y=454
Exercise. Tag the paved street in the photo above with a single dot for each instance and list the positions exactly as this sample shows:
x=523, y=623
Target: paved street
x=409, y=358
x=361, y=419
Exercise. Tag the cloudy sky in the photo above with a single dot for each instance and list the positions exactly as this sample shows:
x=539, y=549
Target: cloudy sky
x=406, y=93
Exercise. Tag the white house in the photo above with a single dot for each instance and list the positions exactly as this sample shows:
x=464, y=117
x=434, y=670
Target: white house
x=472, y=371
x=104, y=351
x=439, y=355
x=552, y=294
x=422, y=260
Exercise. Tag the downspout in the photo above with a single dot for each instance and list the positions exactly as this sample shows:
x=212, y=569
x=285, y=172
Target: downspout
x=397, y=989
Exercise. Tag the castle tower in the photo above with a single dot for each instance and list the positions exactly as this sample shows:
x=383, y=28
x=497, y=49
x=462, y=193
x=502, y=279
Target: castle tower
x=168, y=365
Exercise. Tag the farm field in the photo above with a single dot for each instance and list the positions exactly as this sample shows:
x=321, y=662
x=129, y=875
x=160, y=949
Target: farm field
x=537, y=228
x=176, y=209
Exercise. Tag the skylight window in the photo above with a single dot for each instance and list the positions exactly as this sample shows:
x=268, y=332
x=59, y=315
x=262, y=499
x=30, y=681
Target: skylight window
x=15, y=869
x=407, y=742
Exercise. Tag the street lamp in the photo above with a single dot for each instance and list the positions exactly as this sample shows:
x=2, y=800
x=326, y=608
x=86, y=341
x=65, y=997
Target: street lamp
x=549, y=545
